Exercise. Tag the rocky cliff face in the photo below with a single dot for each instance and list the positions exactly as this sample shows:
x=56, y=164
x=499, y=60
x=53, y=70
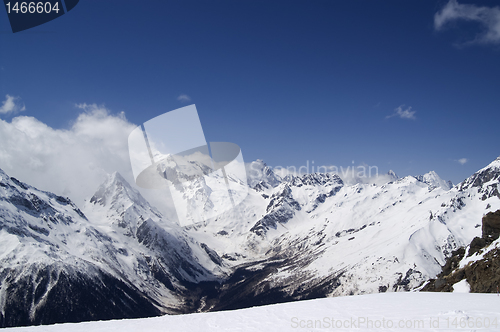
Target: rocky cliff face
x=478, y=264
x=55, y=266
x=491, y=226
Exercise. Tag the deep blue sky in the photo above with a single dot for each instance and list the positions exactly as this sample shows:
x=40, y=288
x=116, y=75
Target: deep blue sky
x=288, y=81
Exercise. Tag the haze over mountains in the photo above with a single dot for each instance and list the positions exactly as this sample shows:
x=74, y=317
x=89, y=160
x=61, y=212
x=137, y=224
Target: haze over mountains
x=294, y=237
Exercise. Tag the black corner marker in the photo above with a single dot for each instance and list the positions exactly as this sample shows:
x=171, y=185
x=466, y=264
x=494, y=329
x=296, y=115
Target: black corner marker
x=28, y=14
x=70, y=4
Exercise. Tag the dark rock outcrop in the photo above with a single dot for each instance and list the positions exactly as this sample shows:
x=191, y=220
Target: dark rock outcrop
x=491, y=226
x=482, y=275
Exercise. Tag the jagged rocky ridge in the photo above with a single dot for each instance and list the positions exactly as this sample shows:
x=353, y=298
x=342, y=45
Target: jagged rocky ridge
x=296, y=237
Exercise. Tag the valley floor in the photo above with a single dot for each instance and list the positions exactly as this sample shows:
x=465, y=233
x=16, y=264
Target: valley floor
x=419, y=311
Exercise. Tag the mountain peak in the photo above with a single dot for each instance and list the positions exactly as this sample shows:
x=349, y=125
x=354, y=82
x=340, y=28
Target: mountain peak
x=259, y=172
x=117, y=200
x=117, y=177
x=433, y=180
x=495, y=163
x=493, y=166
x=393, y=174
x=115, y=188
x=488, y=174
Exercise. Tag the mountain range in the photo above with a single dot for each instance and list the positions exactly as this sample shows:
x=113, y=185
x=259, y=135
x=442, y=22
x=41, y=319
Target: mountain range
x=294, y=237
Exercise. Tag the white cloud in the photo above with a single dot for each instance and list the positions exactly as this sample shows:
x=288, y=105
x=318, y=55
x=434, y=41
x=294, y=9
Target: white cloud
x=72, y=162
x=403, y=113
x=69, y=162
x=184, y=98
x=487, y=17
x=462, y=161
x=11, y=104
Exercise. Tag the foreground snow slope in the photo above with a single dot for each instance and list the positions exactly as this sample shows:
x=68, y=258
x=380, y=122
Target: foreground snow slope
x=412, y=311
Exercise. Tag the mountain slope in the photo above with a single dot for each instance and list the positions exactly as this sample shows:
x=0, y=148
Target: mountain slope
x=293, y=237
x=123, y=213
x=55, y=267
x=123, y=260
x=476, y=267
x=377, y=312
x=317, y=237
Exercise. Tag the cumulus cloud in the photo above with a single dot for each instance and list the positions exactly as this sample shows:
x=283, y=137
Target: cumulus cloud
x=12, y=105
x=487, y=17
x=184, y=98
x=71, y=162
x=462, y=161
x=403, y=113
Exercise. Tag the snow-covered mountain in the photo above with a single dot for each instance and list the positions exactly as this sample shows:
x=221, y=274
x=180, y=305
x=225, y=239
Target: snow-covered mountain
x=434, y=181
x=259, y=174
x=58, y=265
x=123, y=213
x=293, y=237
x=312, y=236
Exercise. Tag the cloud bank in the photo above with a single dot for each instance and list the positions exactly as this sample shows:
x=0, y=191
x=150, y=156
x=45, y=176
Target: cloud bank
x=73, y=162
x=487, y=17
x=12, y=105
x=70, y=162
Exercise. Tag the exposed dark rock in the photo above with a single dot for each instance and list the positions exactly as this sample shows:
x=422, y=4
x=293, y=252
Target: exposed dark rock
x=443, y=282
x=247, y=287
x=477, y=244
x=280, y=209
x=212, y=254
x=482, y=275
x=403, y=283
x=453, y=262
x=261, y=186
x=491, y=226
x=63, y=295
